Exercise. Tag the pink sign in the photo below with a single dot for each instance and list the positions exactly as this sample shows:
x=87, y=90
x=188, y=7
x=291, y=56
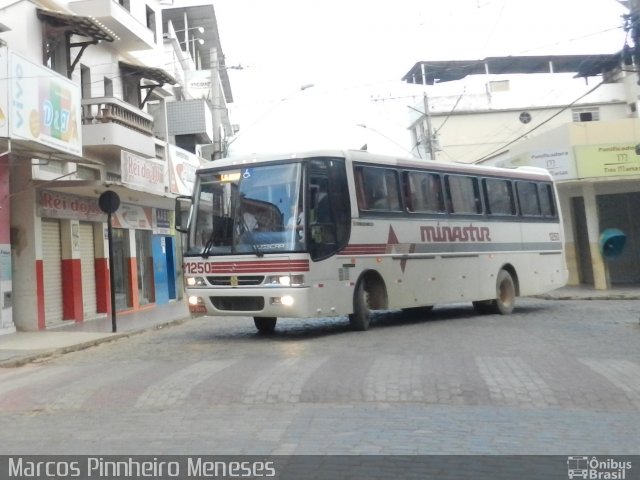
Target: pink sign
x=60, y=205
x=146, y=173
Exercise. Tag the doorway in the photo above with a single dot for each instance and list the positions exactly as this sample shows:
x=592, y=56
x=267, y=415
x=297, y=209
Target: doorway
x=144, y=267
x=585, y=268
x=122, y=282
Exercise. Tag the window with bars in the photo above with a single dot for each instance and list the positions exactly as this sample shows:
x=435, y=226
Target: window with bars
x=586, y=114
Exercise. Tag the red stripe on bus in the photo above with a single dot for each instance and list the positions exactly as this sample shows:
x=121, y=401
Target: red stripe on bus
x=363, y=249
x=267, y=262
x=253, y=267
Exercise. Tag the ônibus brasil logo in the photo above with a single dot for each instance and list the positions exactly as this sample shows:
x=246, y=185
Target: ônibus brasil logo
x=597, y=469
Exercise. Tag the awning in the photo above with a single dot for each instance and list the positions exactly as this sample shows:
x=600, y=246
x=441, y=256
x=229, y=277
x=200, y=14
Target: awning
x=75, y=24
x=450, y=70
x=150, y=73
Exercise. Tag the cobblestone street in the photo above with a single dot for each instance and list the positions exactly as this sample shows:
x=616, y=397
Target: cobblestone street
x=556, y=377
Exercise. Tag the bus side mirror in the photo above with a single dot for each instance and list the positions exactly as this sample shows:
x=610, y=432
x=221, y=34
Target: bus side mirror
x=183, y=211
x=612, y=241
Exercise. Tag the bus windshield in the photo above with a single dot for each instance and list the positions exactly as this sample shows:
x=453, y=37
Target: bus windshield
x=253, y=210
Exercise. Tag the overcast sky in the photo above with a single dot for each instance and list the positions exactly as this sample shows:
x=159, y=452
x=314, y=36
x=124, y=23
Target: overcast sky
x=355, y=52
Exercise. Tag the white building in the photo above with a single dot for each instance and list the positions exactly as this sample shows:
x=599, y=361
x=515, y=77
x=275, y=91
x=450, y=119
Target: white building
x=579, y=120
x=87, y=91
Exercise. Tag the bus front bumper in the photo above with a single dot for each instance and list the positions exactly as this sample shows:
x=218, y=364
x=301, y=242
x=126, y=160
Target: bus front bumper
x=256, y=302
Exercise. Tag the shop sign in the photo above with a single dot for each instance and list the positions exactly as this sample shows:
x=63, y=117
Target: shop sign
x=612, y=160
x=45, y=106
x=198, y=83
x=560, y=163
x=163, y=221
x=133, y=216
x=182, y=170
x=60, y=205
x=144, y=173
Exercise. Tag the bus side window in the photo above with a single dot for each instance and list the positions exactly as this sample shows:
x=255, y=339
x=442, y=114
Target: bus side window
x=545, y=193
x=408, y=191
x=381, y=189
x=393, y=192
x=430, y=192
x=464, y=194
x=499, y=197
x=360, y=195
x=527, y=193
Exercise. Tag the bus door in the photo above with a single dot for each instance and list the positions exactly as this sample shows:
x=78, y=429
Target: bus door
x=329, y=208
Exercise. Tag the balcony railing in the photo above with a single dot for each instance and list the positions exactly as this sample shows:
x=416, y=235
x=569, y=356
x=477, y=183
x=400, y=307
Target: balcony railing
x=113, y=110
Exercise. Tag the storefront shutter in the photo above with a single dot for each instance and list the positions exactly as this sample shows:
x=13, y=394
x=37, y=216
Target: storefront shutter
x=87, y=262
x=52, y=266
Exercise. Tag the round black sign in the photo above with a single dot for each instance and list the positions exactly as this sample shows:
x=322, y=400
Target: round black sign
x=109, y=201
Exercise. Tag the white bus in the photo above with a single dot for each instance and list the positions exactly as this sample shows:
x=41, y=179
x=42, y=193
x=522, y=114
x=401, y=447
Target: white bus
x=337, y=233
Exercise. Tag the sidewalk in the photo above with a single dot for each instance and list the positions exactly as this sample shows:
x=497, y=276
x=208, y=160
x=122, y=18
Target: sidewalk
x=20, y=348
x=583, y=292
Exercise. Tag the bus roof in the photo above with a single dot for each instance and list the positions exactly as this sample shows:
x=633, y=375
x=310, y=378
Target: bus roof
x=389, y=160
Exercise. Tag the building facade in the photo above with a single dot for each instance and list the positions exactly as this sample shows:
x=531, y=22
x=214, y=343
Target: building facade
x=85, y=91
x=581, y=124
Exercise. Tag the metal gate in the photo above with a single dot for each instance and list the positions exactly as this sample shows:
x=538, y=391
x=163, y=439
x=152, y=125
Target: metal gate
x=88, y=270
x=52, y=266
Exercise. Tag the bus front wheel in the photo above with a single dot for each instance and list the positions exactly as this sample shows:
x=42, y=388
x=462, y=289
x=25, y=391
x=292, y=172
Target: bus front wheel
x=265, y=324
x=361, y=316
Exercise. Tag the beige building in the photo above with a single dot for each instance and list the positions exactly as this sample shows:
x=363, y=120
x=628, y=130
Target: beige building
x=573, y=115
x=598, y=177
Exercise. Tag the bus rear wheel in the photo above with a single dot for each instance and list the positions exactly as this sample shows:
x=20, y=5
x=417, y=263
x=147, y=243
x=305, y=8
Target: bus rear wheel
x=265, y=324
x=505, y=300
x=360, y=319
x=505, y=293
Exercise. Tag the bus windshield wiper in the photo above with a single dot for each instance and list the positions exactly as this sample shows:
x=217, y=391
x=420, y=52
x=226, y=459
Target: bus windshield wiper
x=206, y=251
x=255, y=247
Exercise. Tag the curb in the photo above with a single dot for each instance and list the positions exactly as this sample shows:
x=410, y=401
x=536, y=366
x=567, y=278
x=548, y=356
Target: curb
x=20, y=361
x=588, y=297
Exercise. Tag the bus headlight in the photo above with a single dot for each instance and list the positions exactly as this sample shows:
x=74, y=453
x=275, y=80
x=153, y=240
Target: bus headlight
x=193, y=300
x=286, y=300
x=286, y=280
x=196, y=305
x=195, y=282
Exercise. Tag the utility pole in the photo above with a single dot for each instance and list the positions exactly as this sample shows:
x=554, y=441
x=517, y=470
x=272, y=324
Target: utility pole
x=428, y=136
x=633, y=25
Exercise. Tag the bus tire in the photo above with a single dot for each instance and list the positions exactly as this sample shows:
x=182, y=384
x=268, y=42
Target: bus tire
x=505, y=300
x=505, y=293
x=360, y=319
x=265, y=324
